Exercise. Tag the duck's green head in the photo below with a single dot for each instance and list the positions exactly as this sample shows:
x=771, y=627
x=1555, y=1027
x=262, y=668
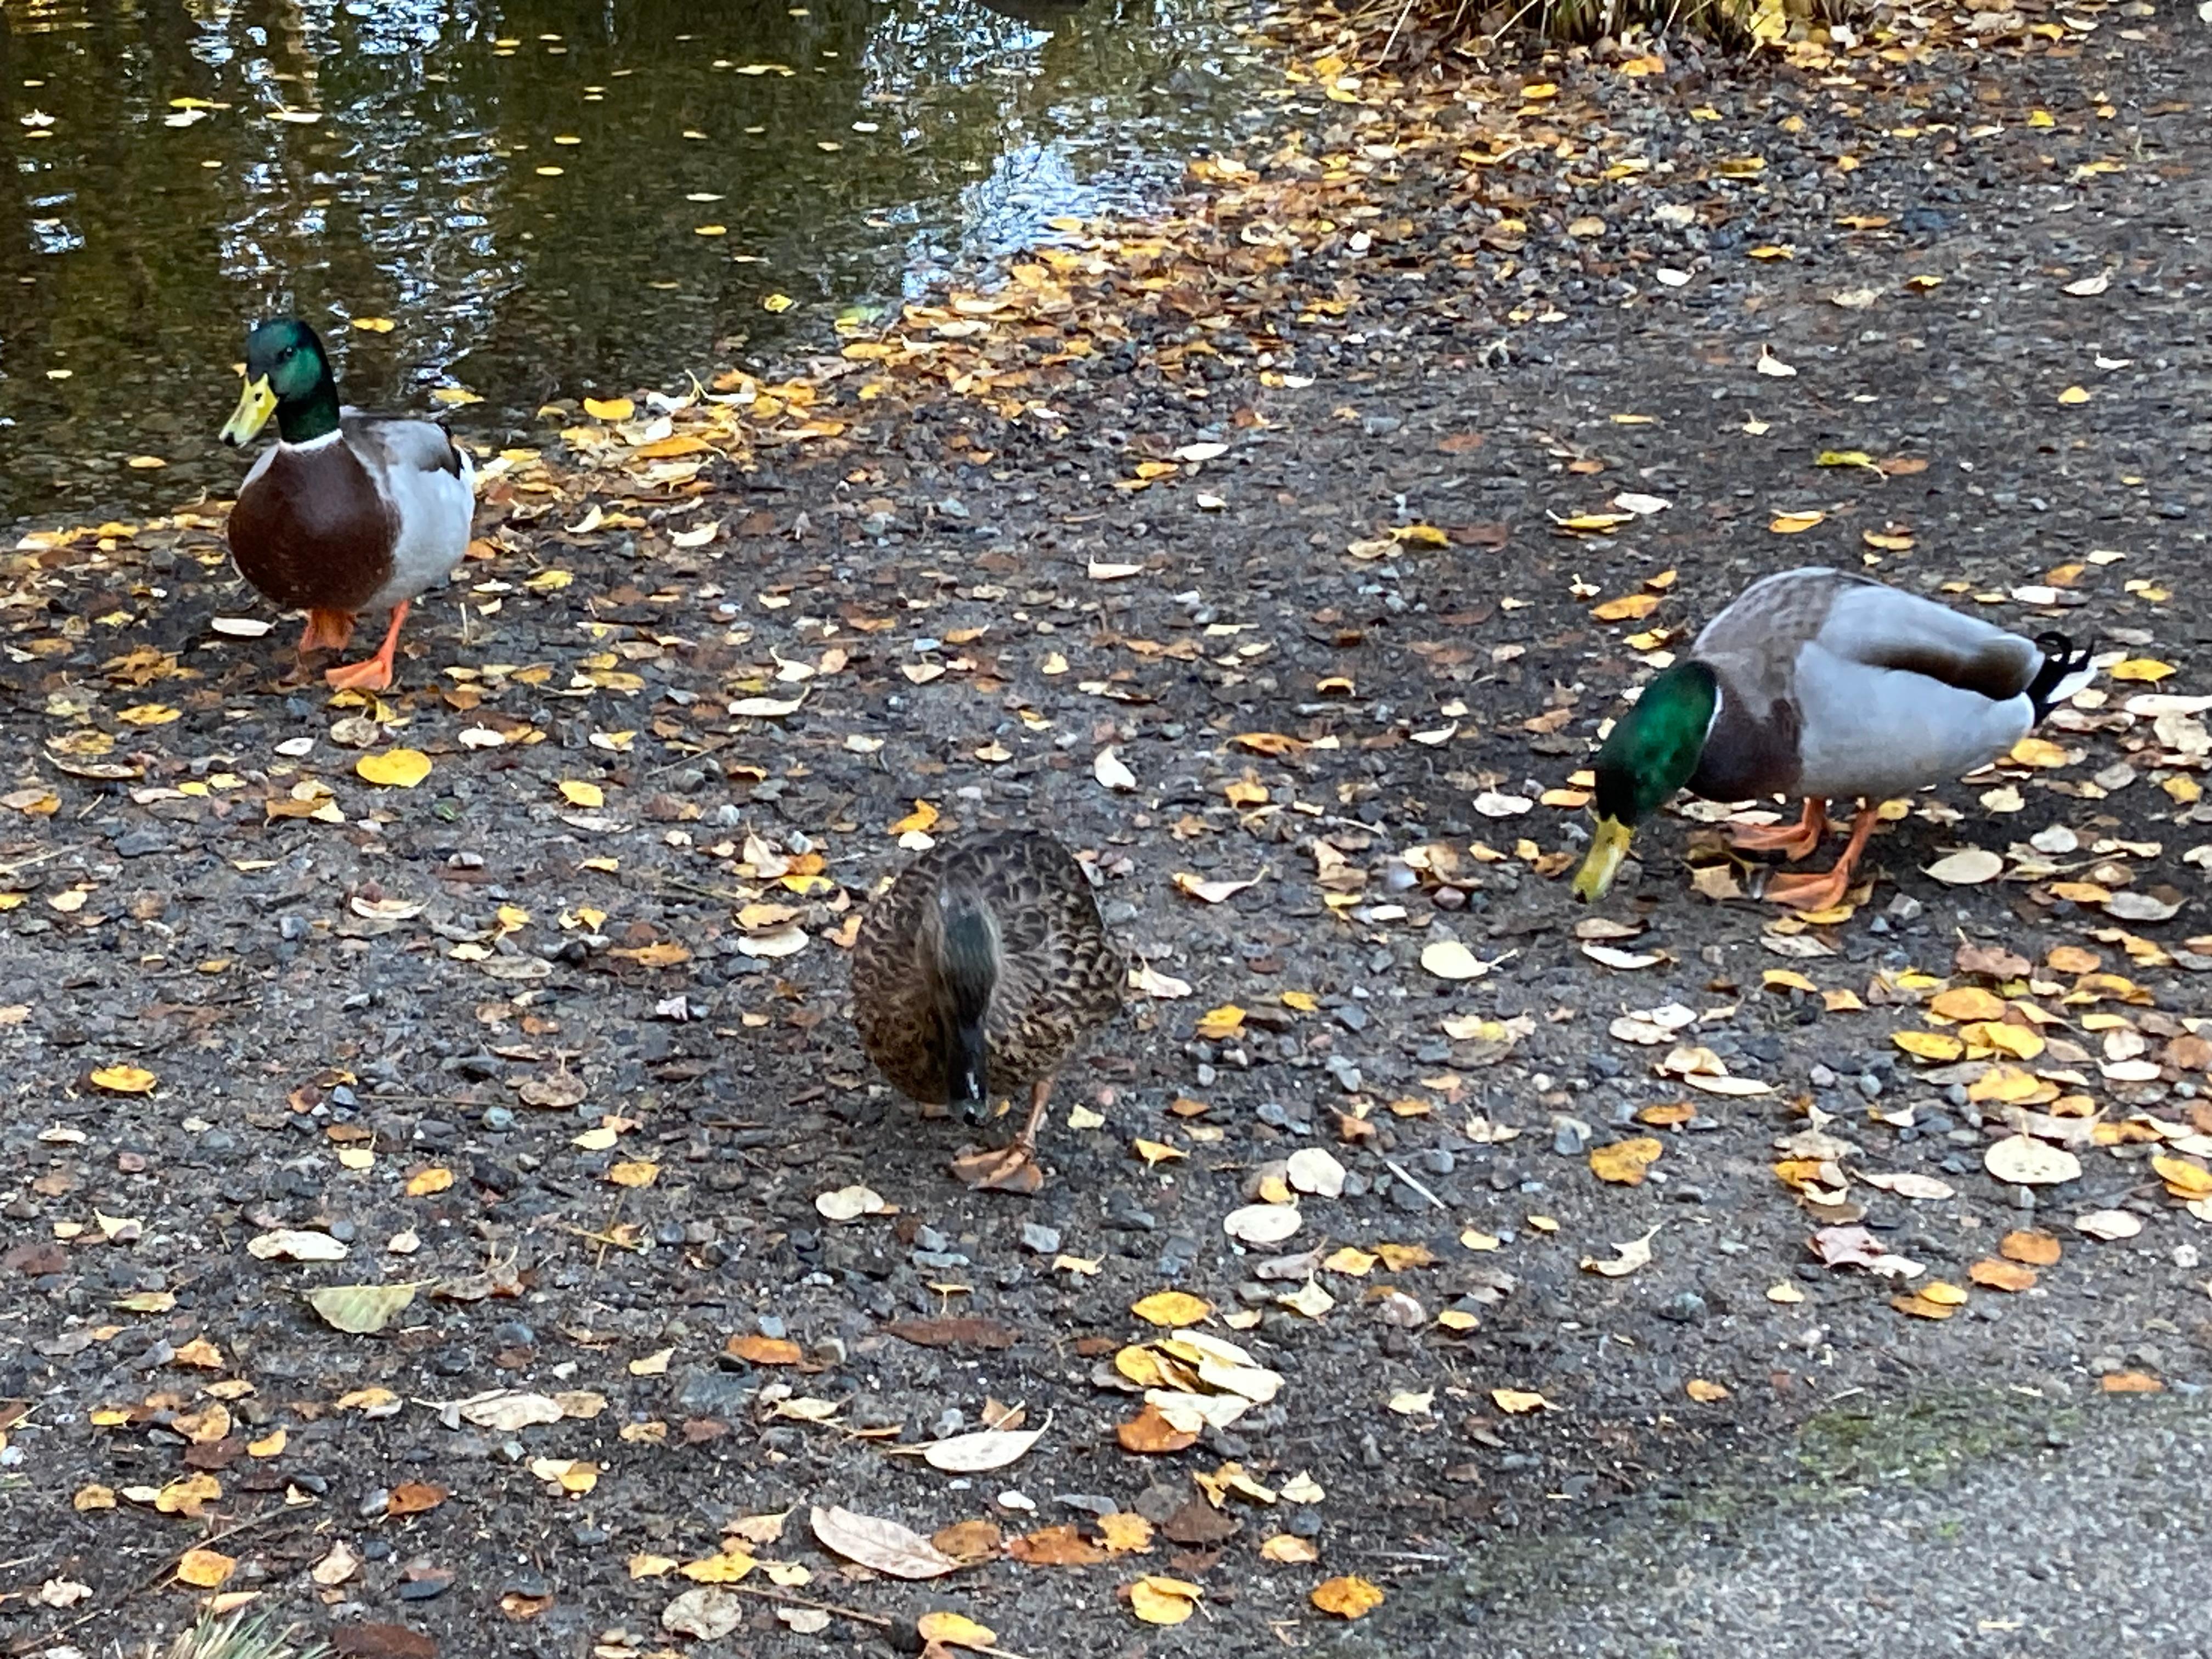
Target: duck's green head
x=287, y=375
x=1652, y=752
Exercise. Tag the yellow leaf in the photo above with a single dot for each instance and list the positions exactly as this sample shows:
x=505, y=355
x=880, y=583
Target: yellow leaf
x=579, y=793
x=423, y=1183
x=2037, y=751
x=374, y=324
x=150, y=714
x=1782, y=979
x=1968, y=1002
x=1157, y=1151
x=1624, y=1162
x=205, y=1569
x=124, y=1080
x=920, y=821
x=1791, y=524
x=637, y=1173
x=2145, y=669
x=1704, y=1393
x=1347, y=1597
x=1887, y=543
x=1420, y=535
x=1517, y=1400
x=1163, y=1601
x=1843, y=458
x=93, y=1497
x=778, y=303
x=398, y=769
x=2182, y=1179
x=1171, y=1308
x=1929, y=1045
x=955, y=1630
x=2074, y=394
x=1629, y=607
x=1289, y=1550
x=1943, y=1295
x=1218, y=1023
x=726, y=1568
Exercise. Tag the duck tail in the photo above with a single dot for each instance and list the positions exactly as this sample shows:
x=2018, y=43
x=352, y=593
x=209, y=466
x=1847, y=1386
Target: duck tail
x=2065, y=669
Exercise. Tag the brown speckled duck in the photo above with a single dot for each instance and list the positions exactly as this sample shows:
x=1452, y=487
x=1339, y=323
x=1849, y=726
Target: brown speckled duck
x=980, y=971
x=349, y=512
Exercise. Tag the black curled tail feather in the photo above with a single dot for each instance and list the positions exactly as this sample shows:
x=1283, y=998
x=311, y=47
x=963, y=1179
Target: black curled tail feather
x=2062, y=660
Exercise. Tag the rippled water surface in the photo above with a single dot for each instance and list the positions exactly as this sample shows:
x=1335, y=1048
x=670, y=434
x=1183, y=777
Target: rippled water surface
x=543, y=197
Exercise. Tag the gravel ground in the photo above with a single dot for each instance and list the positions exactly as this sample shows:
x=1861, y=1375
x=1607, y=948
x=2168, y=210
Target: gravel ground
x=573, y=1062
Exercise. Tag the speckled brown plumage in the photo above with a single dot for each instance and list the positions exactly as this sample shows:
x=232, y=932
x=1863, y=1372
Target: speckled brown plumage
x=1060, y=974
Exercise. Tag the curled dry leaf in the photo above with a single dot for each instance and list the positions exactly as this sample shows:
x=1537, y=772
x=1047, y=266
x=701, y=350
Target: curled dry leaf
x=1997, y=1275
x=1158, y=1600
x=1347, y=1597
x=1110, y=770
x=881, y=1546
x=291, y=1244
x=955, y=1630
x=850, y=1204
x=1628, y=1257
x=707, y=1612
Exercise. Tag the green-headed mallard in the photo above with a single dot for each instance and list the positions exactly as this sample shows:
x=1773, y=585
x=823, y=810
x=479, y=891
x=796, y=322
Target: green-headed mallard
x=978, y=971
x=349, y=512
x=1831, y=686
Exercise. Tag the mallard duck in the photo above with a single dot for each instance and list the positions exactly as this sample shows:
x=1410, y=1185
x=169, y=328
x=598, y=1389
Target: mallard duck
x=1827, y=685
x=979, y=971
x=349, y=512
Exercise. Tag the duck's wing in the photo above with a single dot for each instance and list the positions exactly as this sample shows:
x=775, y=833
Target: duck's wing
x=1061, y=974
x=1898, y=692
x=891, y=1006
x=430, y=484
x=1887, y=628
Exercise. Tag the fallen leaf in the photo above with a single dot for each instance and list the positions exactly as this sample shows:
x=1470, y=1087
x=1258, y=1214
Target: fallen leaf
x=205, y=1569
x=881, y=1546
x=1968, y=867
x=1518, y=1400
x=1448, y=959
x=1171, y=1308
x=1628, y=1257
x=1163, y=1601
x=2029, y=1163
x=1624, y=1162
x=2002, y=1275
x=955, y=1630
x=1347, y=1597
x=2036, y=1249
x=973, y=1454
x=398, y=768
x=2110, y=1225
x=360, y=1310
x=124, y=1080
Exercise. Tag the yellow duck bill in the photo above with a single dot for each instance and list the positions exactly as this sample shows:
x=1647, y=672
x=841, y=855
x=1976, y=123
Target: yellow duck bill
x=256, y=404
x=1602, y=863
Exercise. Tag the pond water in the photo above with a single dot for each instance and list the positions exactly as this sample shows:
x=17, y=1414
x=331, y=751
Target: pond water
x=542, y=197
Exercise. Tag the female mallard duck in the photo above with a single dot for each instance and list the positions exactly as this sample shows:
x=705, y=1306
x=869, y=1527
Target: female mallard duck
x=1826, y=685
x=979, y=970
x=349, y=512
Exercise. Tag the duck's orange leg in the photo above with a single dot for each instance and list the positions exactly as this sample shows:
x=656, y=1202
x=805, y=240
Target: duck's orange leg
x=1795, y=840
x=326, y=631
x=1012, y=1167
x=375, y=673
x=1824, y=890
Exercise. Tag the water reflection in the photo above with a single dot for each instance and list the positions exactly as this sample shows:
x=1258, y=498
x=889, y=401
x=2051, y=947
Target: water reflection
x=543, y=197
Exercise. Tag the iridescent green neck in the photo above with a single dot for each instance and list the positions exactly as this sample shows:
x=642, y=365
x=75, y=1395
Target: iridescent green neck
x=313, y=414
x=1654, y=749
